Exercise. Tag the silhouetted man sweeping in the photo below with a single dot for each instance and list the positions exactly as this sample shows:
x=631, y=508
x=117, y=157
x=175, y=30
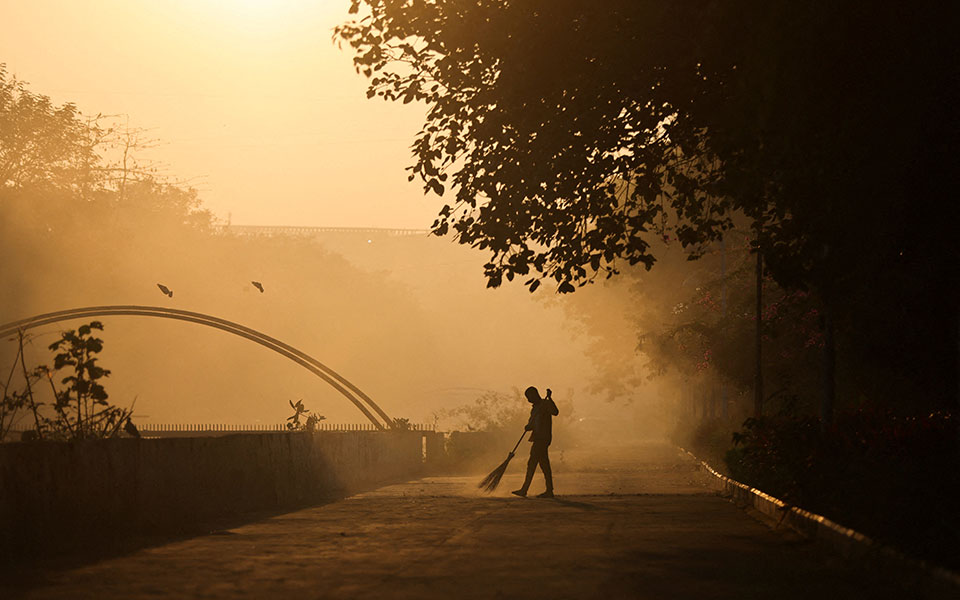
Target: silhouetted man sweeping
x=540, y=427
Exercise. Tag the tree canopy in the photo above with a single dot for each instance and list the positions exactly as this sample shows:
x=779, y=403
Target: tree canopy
x=569, y=133
x=40, y=144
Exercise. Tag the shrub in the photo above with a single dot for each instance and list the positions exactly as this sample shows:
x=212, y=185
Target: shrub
x=893, y=477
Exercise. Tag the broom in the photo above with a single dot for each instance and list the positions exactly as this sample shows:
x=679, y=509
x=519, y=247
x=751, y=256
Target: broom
x=491, y=481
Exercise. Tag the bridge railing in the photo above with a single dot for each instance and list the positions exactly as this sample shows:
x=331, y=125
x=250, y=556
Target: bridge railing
x=208, y=429
x=323, y=426
x=179, y=429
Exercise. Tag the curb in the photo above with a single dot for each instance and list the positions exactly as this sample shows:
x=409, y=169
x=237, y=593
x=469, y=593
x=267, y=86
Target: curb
x=932, y=580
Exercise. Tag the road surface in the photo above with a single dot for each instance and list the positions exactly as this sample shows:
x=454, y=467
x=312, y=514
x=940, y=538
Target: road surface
x=627, y=523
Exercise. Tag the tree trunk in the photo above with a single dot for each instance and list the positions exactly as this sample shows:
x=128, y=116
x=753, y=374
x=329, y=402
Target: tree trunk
x=723, y=308
x=828, y=294
x=829, y=366
x=758, y=381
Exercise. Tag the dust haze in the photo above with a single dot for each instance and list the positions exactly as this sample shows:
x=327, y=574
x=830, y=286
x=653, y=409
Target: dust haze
x=94, y=220
x=404, y=316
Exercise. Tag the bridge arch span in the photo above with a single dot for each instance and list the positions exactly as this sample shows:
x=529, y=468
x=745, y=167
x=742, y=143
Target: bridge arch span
x=370, y=409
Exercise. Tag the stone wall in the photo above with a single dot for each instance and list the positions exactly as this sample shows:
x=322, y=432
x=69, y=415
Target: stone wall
x=66, y=494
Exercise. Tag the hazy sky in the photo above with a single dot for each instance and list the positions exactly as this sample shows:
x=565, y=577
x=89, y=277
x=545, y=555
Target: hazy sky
x=253, y=103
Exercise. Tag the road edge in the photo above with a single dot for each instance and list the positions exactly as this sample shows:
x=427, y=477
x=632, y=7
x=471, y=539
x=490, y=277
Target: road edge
x=933, y=580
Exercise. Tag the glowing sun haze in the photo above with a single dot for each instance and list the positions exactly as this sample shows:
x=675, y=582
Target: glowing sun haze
x=251, y=101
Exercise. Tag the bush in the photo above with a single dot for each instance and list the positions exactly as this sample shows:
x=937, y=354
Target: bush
x=79, y=410
x=892, y=477
x=708, y=439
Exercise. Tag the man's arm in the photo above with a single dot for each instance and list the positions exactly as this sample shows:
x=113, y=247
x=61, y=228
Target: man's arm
x=551, y=406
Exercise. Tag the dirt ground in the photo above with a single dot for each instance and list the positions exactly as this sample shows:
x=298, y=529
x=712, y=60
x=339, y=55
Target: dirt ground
x=634, y=522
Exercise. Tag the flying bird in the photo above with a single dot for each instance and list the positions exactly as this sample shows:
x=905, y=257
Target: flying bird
x=165, y=289
x=258, y=285
x=131, y=429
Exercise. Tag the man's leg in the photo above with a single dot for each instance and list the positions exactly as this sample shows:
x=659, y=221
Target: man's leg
x=547, y=471
x=531, y=467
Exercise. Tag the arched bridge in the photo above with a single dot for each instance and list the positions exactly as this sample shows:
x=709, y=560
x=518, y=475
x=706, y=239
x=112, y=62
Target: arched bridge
x=368, y=407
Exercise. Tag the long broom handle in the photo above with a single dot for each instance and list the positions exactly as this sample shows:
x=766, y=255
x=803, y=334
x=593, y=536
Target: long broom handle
x=518, y=441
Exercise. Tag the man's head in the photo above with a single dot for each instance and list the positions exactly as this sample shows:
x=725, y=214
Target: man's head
x=532, y=394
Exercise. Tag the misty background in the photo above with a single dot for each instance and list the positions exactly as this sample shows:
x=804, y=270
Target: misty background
x=253, y=116
x=405, y=316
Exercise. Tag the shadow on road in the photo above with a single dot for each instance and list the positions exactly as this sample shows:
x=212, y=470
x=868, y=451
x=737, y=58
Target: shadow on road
x=576, y=504
x=33, y=569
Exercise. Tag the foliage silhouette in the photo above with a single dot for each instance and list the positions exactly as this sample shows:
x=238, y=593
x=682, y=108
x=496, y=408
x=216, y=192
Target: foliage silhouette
x=569, y=133
x=293, y=421
x=401, y=424
x=80, y=409
x=887, y=475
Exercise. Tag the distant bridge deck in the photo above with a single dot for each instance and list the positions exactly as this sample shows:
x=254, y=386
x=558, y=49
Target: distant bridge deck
x=297, y=231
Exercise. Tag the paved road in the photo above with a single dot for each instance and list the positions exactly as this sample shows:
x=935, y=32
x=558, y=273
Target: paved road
x=637, y=523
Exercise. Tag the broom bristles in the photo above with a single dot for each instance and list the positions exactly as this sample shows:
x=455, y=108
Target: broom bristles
x=491, y=481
